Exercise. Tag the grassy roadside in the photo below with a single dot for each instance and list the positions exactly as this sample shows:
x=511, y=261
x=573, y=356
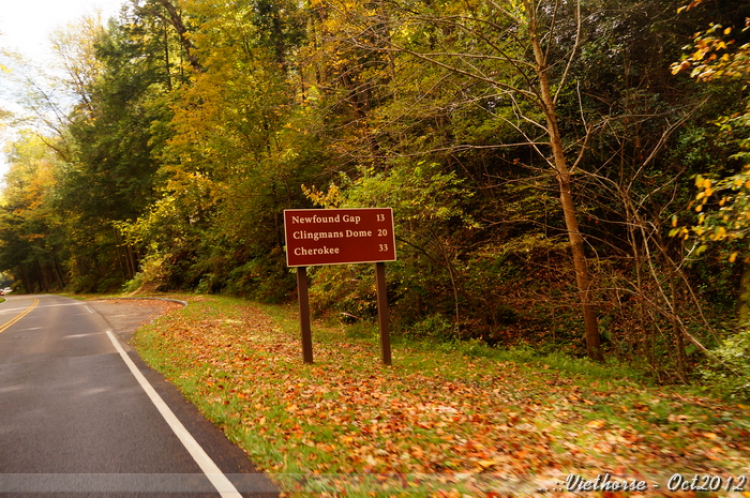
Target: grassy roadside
x=444, y=420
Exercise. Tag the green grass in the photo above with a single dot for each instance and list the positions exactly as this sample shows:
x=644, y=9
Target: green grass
x=504, y=421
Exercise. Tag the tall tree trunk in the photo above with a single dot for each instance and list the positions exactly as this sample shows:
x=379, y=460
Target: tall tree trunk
x=120, y=256
x=166, y=58
x=583, y=279
x=43, y=284
x=59, y=273
x=132, y=261
x=743, y=301
x=25, y=278
x=176, y=20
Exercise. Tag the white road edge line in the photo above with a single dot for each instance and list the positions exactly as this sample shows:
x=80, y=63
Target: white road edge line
x=90, y=310
x=222, y=484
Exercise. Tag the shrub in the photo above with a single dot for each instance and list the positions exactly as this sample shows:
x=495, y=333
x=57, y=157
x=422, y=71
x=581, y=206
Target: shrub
x=729, y=373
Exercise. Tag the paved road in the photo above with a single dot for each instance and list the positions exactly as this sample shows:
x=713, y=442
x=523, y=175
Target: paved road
x=75, y=418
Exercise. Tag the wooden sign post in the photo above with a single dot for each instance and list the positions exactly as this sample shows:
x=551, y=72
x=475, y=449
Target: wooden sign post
x=304, y=315
x=317, y=237
x=385, y=333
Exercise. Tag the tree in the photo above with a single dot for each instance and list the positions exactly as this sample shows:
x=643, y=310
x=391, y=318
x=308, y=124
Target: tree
x=516, y=57
x=32, y=246
x=110, y=175
x=719, y=56
x=169, y=12
x=75, y=47
x=238, y=153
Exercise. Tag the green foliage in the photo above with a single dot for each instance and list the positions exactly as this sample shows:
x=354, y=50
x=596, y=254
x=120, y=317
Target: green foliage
x=32, y=232
x=717, y=55
x=191, y=135
x=435, y=327
x=429, y=215
x=728, y=372
x=133, y=284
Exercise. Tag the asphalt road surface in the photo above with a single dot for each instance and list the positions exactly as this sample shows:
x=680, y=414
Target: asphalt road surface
x=81, y=415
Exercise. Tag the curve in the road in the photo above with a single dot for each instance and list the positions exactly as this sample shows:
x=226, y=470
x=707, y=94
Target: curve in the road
x=10, y=323
x=76, y=418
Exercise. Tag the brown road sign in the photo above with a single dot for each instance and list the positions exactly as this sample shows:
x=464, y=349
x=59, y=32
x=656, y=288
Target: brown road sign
x=316, y=237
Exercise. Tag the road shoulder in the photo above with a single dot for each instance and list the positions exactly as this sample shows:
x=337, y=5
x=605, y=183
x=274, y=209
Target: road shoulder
x=125, y=316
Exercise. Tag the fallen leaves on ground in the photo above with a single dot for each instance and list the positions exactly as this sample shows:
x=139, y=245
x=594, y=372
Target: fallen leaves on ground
x=434, y=423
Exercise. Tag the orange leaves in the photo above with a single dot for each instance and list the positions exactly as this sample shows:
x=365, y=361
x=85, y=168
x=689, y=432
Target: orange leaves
x=714, y=56
x=689, y=6
x=596, y=424
x=359, y=428
x=681, y=66
x=292, y=409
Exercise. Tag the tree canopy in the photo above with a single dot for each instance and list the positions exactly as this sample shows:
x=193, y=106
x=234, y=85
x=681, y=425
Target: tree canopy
x=541, y=158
